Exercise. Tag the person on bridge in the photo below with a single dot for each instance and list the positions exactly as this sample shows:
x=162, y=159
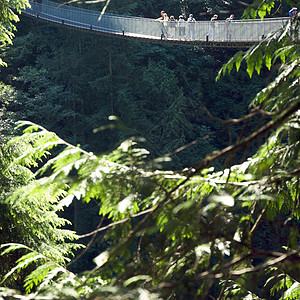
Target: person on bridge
x=37, y=7
x=163, y=19
x=172, y=26
x=212, y=28
x=228, y=27
x=165, y=26
x=181, y=26
x=161, y=16
x=293, y=13
x=191, y=23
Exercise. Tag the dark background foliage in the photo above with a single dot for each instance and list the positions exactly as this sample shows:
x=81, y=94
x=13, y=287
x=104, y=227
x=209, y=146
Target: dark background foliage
x=70, y=82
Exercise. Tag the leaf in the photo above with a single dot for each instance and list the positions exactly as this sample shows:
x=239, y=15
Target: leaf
x=101, y=259
x=23, y=262
x=11, y=247
x=293, y=293
x=126, y=203
x=250, y=67
x=227, y=67
x=262, y=11
x=39, y=274
x=225, y=199
x=65, y=202
x=202, y=249
x=135, y=279
x=268, y=61
x=238, y=60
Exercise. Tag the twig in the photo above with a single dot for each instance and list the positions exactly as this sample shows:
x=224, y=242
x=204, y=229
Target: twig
x=194, y=142
x=88, y=245
x=258, y=219
x=116, y=223
x=255, y=111
x=79, y=2
x=209, y=159
x=280, y=257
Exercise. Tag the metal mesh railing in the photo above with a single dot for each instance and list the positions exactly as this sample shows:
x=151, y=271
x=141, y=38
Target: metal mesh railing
x=237, y=31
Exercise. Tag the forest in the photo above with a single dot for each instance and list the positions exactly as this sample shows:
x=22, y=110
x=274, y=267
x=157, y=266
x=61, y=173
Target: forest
x=135, y=170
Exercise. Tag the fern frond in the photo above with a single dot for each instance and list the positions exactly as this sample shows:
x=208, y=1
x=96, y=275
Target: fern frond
x=42, y=274
x=293, y=292
x=46, y=269
x=24, y=261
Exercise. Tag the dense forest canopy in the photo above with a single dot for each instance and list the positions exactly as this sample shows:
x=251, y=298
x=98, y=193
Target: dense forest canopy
x=137, y=175
x=202, y=10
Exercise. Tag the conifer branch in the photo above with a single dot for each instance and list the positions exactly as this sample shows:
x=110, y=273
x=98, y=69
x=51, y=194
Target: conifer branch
x=285, y=114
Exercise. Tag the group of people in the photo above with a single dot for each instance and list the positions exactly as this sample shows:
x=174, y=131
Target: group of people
x=212, y=28
x=169, y=26
x=187, y=28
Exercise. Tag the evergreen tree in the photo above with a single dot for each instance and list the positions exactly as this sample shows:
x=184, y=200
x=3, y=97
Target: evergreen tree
x=191, y=233
x=184, y=234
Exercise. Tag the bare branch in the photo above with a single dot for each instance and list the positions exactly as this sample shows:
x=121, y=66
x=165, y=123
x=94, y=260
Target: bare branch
x=209, y=159
x=80, y=2
x=279, y=258
x=88, y=245
x=116, y=223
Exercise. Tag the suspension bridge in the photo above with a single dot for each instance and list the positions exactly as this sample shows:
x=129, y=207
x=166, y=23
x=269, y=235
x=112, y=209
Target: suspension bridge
x=239, y=33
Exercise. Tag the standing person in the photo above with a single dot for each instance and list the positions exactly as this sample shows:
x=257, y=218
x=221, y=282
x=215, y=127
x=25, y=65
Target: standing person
x=181, y=27
x=37, y=6
x=228, y=27
x=293, y=13
x=191, y=23
x=172, y=26
x=212, y=27
x=161, y=19
x=161, y=16
x=165, y=26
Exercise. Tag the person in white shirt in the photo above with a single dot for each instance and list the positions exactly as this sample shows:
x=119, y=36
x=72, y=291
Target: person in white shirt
x=228, y=32
x=172, y=26
x=212, y=28
x=191, y=23
x=181, y=27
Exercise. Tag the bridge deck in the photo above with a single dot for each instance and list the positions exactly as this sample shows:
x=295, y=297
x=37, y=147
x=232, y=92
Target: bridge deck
x=240, y=33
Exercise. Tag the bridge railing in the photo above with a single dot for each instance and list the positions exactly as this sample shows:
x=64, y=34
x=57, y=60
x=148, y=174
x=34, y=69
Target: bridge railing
x=237, y=31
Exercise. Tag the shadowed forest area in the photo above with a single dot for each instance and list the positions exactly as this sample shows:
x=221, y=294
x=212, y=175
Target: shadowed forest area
x=135, y=174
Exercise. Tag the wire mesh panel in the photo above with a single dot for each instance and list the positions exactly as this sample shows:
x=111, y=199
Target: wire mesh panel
x=220, y=31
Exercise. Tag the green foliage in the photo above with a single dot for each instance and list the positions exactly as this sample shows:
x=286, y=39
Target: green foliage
x=115, y=180
x=196, y=231
x=44, y=272
x=259, y=8
x=35, y=219
x=134, y=91
x=7, y=117
x=293, y=292
x=8, y=20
